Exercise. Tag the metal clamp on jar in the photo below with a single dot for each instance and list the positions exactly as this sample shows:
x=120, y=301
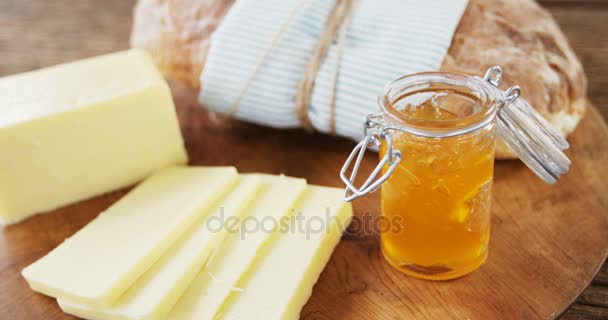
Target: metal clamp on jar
x=436, y=135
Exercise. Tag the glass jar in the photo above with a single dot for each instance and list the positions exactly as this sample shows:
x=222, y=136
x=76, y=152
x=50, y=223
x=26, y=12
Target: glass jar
x=436, y=135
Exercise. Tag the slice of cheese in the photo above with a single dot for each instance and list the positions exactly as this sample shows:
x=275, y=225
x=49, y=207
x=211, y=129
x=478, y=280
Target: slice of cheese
x=281, y=280
x=153, y=294
x=98, y=263
x=79, y=129
x=218, y=279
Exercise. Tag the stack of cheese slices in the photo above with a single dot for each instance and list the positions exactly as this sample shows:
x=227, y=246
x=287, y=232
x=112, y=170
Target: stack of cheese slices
x=198, y=243
x=188, y=242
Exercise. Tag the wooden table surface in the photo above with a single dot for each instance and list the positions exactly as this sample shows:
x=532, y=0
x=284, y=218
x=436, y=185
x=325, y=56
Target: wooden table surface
x=38, y=33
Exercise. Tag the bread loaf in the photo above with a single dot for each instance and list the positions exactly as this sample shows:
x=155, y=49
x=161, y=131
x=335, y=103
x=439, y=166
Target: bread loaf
x=176, y=33
x=518, y=35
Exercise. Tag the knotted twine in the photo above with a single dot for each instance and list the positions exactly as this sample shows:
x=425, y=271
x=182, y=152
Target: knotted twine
x=337, y=21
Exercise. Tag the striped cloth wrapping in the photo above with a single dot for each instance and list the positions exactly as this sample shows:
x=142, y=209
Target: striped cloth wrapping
x=385, y=39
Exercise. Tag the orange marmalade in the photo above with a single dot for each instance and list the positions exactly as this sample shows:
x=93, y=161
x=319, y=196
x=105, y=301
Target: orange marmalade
x=440, y=191
x=436, y=135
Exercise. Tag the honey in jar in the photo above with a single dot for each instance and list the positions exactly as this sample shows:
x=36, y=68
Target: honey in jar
x=436, y=135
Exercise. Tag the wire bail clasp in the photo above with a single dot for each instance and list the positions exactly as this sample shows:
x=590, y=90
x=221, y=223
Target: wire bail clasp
x=371, y=139
x=493, y=76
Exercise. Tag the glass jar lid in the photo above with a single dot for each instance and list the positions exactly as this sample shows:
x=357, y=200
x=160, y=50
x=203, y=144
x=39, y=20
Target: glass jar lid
x=528, y=134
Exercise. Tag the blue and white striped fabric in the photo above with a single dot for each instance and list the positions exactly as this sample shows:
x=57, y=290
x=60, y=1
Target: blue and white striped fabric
x=385, y=39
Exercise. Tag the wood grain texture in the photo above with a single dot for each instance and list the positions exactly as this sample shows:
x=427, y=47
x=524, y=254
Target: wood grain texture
x=585, y=23
x=547, y=242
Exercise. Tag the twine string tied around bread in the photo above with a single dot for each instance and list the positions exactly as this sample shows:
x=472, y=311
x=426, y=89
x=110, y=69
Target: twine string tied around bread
x=337, y=22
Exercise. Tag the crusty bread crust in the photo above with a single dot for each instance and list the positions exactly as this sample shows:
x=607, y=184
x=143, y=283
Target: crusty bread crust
x=518, y=35
x=176, y=33
x=525, y=41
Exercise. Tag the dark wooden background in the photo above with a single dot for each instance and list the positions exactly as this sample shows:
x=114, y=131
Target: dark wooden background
x=39, y=33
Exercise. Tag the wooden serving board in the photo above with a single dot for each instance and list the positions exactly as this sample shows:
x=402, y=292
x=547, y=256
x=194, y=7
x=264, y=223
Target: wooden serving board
x=547, y=241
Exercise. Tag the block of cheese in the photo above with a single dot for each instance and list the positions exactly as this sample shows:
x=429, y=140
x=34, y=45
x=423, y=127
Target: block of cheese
x=221, y=274
x=281, y=279
x=98, y=263
x=156, y=291
x=76, y=130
